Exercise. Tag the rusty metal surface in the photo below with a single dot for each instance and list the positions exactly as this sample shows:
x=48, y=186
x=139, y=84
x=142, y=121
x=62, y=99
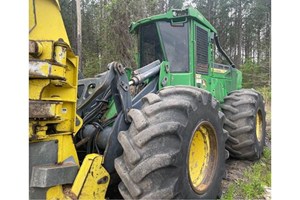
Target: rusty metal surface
x=60, y=55
x=43, y=109
x=43, y=69
x=33, y=47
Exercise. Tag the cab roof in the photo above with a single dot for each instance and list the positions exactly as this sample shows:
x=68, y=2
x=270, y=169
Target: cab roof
x=174, y=14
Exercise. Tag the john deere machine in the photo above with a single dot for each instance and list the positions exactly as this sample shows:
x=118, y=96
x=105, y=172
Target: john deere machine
x=161, y=131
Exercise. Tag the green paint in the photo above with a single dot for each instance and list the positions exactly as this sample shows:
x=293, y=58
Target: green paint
x=218, y=81
x=111, y=112
x=189, y=12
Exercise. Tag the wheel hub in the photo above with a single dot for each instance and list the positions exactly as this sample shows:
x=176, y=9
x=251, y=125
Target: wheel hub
x=259, y=128
x=202, y=157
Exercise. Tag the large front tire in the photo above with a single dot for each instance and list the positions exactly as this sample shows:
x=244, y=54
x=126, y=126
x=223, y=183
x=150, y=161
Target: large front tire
x=174, y=148
x=246, y=123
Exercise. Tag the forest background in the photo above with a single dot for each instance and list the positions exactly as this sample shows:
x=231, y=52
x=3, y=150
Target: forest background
x=244, y=28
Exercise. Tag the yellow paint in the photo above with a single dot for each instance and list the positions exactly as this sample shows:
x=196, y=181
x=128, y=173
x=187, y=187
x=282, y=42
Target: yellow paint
x=221, y=71
x=86, y=184
x=55, y=193
x=49, y=23
x=53, y=77
x=66, y=147
x=48, y=50
x=52, y=92
x=32, y=21
x=36, y=87
x=79, y=125
x=259, y=130
x=199, y=151
x=202, y=157
x=39, y=48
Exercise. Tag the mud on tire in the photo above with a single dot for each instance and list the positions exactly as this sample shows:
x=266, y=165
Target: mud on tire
x=246, y=123
x=155, y=163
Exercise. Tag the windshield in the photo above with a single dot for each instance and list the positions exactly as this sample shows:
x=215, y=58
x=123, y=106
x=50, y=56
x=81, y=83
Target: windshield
x=175, y=42
x=150, y=47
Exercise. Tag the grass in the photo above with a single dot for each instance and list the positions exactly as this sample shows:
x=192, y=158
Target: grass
x=254, y=181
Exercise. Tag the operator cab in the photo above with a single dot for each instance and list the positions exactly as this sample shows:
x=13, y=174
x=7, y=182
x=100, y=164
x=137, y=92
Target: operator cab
x=174, y=37
x=186, y=41
x=173, y=46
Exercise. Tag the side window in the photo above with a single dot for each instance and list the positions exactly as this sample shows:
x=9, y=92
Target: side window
x=176, y=43
x=201, y=51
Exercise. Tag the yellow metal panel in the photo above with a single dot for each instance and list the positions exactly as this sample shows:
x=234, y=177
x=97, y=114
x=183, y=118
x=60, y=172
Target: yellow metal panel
x=66, y=148
x=59, y=90
x=36, y=87
x=92, y=179
x=77, y=127
x=49, y=23
x=64, y=91
x=32, y=20
x=53, y=78
x=55, y=193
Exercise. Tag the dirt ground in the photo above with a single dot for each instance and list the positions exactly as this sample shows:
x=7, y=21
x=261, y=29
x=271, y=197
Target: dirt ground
x=236, y=168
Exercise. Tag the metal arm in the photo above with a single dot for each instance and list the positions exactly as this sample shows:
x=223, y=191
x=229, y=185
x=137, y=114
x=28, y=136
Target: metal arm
x=222, y=51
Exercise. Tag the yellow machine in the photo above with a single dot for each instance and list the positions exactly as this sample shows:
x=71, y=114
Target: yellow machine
x=54, y=171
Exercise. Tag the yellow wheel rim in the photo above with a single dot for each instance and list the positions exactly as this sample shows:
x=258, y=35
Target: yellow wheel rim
x=202, y=158
x=259, y=129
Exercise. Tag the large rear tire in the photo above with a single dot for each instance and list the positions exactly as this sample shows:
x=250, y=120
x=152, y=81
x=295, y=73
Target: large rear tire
x=174, y=148
x=246, y=123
